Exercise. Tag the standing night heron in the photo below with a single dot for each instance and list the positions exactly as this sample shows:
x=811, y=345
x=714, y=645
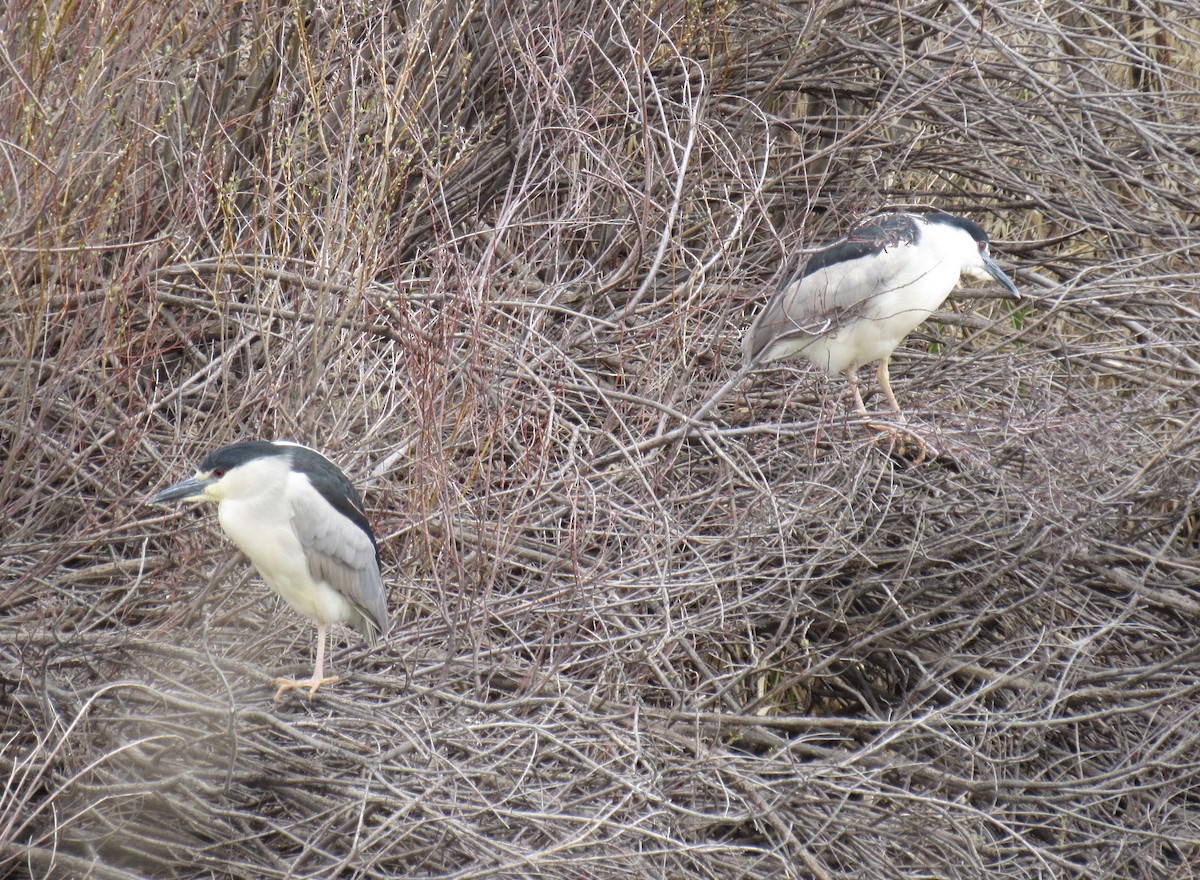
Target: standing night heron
x=856, y=300
x=302, y=524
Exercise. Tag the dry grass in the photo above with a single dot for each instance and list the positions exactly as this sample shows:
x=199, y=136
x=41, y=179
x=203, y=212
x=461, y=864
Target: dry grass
x=490, y=258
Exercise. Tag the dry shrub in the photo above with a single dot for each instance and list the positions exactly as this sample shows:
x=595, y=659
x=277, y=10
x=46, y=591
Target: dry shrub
x=491, y=257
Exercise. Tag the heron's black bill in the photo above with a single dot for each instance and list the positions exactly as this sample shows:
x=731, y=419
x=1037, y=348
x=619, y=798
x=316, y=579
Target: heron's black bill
x=192, y=488
x=996, y=272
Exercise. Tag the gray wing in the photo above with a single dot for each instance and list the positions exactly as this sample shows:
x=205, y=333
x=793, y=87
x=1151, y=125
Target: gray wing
x=792, y=312
x=340, y=553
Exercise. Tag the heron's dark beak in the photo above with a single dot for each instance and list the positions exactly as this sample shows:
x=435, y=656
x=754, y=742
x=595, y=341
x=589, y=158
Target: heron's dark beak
x=996, y=272
x=191, y=489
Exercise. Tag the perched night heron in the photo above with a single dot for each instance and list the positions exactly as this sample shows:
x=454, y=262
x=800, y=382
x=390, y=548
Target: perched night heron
x=301, y=523
x=856, y=300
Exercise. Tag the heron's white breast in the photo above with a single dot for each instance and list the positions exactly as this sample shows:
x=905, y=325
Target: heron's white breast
x=264, y=532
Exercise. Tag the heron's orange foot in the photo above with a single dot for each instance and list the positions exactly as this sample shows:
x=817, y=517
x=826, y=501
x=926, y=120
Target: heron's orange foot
x=905, y=443
x=287, y=684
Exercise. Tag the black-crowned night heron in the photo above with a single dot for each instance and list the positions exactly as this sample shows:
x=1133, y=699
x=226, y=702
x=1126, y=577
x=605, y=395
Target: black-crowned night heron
x=856, y=300
x=302, y=524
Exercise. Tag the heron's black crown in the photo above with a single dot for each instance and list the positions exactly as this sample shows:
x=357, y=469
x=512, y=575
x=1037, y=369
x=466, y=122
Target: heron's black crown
x=972, y=228
x=229, y=457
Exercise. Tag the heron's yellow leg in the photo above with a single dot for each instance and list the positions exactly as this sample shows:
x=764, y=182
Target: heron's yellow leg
x=318, y=677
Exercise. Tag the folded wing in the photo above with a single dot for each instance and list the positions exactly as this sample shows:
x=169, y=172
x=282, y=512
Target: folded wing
x=341, y=551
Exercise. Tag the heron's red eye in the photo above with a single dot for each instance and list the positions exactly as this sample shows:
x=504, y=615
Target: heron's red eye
x=982, y=246
x=218, y=473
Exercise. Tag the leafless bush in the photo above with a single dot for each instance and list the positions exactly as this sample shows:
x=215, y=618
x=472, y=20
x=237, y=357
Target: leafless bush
x=491, y=258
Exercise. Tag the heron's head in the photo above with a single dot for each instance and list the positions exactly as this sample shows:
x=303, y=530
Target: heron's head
x=972, y=241
x=241, y=471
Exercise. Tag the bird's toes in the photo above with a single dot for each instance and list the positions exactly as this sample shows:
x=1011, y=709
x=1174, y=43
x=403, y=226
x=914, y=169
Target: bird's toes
x=284, y=685
x=904, y=442
x=316, y=683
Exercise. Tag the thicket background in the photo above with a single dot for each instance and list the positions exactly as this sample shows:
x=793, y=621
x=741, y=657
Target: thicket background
x=489, y=256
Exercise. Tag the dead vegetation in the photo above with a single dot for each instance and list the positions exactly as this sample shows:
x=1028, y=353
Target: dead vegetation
x=490, y=258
